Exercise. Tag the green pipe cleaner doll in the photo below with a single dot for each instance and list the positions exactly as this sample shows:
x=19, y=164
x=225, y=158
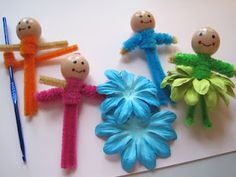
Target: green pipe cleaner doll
x=199, y=78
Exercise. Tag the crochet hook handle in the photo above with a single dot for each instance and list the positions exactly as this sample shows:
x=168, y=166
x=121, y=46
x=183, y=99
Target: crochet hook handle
x=14, y=96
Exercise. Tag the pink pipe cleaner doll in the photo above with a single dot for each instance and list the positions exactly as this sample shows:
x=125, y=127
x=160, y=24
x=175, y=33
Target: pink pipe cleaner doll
x=75, y=68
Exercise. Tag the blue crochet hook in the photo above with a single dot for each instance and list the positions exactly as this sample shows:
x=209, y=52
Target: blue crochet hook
x=14, y=96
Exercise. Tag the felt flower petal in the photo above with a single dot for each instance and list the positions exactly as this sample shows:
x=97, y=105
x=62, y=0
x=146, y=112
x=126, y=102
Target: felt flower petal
x=166, y=132
x=146, y=155
x=185, y=70
x=116, y=143
x=180, y=81
x=144, y=85
x=177, y=93
x=140, y=83
x=148, y=98
x=123, y=111
x=160, y=146
x=218, y=84
x=141, y=110
x=151, y=90
x=211, y=98
x=106, y=129
x=109, y=118
x=225, y=97
x=191, y=97
x=168, y=80
x=230, y=91
x=139, y=140
x=227, y=81
x=115, y=77
x=128, y=78
x=109, y=103
x=129, y=156
x=127, y=94
x=213, y=88
x=165, y=82
x=108, y=89
x=163, y=117
x=201, y=86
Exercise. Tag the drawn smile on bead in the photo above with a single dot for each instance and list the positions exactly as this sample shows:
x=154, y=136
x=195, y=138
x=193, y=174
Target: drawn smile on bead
x=206, y=45
x=78, y=71
x=21, y=29
x=146, y=22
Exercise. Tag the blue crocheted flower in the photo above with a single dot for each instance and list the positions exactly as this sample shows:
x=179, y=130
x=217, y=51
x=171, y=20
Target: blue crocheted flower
x=137, y=140
x=127, y=95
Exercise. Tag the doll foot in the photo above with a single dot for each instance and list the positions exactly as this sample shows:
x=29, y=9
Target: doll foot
x=207, y=123
x=188, y=121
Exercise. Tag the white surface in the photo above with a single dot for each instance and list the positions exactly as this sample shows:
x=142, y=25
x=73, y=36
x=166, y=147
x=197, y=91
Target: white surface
x=223, y=165
x=99, y=28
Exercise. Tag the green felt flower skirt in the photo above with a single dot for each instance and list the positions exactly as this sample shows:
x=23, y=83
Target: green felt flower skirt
x=184, y=86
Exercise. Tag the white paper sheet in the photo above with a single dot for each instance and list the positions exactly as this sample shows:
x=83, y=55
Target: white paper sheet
x=99, y=28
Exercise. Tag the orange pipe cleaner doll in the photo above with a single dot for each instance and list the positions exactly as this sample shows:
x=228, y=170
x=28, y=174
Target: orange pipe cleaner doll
x=28, y=31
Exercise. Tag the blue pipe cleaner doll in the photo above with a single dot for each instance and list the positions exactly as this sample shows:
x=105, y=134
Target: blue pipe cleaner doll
x=146, y=38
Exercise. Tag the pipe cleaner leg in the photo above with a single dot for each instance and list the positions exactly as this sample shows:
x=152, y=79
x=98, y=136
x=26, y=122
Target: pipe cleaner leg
x=68, y=156
x=205, y=119
x=30, y=104
x=158, y=75
x=190, y=115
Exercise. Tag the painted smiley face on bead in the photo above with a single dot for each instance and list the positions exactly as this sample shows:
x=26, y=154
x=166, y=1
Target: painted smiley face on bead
x=205, y=41
x=142, y=20
x=75, y=66
x=28, y=27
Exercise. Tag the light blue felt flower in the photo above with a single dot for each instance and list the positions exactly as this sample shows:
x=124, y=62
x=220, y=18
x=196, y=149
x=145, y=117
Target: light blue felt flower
x=137, y=140
x=127, y=96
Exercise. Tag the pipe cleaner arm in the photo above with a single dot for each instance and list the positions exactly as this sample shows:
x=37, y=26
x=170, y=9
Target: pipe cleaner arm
x=91, y=91
x=131, y=43
x=49, y=95
x=185, y=59
x=222, y=67
x=9, y=59
x=56, y=53
x=163, y=38
x=41, y=46
x=52, y=81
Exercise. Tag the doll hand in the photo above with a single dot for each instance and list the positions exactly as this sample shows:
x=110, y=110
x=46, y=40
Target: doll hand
x=123, y=51
x=9, y=59
x=175, y=40
x=172, y=59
